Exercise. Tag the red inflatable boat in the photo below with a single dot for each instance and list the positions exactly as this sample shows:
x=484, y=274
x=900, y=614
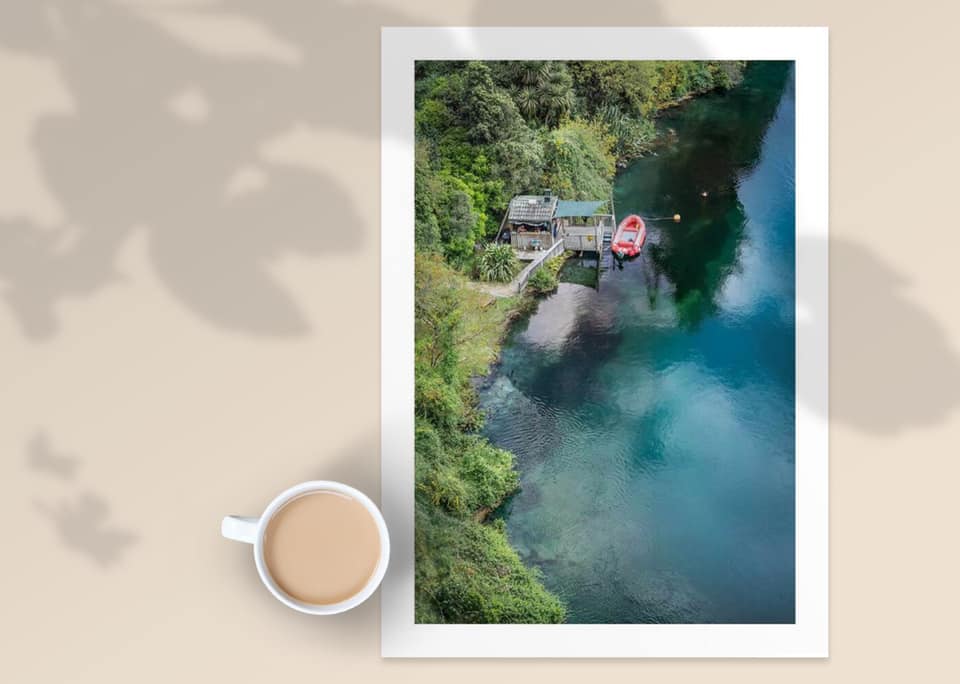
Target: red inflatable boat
x=629, y=238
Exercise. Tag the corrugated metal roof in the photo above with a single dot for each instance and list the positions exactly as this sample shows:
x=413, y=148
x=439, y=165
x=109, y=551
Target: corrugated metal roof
x=532, y=209
x=578, y=208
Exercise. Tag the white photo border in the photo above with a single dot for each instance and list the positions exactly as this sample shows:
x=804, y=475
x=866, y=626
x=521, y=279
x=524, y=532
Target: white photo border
x=808, y=48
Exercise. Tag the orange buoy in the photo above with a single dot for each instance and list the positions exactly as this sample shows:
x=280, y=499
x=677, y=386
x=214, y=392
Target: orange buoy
x=676, y=218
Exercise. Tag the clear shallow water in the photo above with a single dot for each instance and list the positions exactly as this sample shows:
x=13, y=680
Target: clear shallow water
x=653, y=418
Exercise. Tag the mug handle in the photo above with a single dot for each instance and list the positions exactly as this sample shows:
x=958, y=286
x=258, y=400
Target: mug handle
x=240, y=528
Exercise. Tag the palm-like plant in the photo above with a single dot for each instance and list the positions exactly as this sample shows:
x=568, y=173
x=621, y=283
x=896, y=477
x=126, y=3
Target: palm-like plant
x=633, y=135
x=497, y=263
x=532, y=72
x=528, y=101
x=543, y=91
x=556, y=102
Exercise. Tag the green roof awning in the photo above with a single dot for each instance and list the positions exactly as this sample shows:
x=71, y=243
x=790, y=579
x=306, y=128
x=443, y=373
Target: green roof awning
x=566, y=208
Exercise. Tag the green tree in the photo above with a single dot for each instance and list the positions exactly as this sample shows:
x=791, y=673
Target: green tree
x=487, y=112
x=426, y=227
x=627, y=85
x=632, y=136
x=579, y=161
x=542, y=90
x=456, y=218
x=518, y=162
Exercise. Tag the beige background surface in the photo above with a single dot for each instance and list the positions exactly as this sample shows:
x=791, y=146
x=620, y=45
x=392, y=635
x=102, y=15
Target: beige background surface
x=189, y=267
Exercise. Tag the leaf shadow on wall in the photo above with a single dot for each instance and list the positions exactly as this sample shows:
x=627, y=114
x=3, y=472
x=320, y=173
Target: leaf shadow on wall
x=186, y=122
x=44, y=458
x=893, y=366
x=83, y=524
x=83, y=520
x=174, y=140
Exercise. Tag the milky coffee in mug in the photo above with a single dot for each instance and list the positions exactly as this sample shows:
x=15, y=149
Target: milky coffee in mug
x=320, y=547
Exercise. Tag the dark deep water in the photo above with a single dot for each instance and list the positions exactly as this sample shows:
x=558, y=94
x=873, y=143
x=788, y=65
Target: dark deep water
x=653, y=419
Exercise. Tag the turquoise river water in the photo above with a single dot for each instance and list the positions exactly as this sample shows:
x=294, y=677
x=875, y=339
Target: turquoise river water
x=652, y=412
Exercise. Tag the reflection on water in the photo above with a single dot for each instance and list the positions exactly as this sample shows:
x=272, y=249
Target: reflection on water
x=653, y=417
x=716, y=144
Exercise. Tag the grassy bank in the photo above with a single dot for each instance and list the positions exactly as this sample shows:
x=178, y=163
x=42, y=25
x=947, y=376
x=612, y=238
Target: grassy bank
x=466, y=571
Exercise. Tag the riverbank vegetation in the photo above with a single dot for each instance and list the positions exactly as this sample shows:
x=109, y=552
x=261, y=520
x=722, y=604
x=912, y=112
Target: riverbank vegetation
x=486, y=131
x=547, y=277
x=465, y=570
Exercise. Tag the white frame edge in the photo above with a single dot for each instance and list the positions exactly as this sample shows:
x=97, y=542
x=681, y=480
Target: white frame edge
x=808, y=637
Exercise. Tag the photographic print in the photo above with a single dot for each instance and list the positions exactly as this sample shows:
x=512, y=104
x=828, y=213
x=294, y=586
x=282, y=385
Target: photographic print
x=605, y=369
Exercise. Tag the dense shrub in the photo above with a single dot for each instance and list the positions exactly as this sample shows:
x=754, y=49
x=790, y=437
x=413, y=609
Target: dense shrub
x=579, y=161
x=488, y=473
x=477, y=578
x=632, y=136
x=542, y=282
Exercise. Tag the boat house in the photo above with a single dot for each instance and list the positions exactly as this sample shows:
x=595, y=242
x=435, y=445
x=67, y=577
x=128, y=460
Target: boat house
x=535, y=223
x=532, y=222
x=542, y=226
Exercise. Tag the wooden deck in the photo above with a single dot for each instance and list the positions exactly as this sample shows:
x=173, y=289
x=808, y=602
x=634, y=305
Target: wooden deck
x=590, y=237
x=533, y=266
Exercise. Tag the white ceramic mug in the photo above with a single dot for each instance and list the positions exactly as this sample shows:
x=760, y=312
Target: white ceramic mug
x=251, y=531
